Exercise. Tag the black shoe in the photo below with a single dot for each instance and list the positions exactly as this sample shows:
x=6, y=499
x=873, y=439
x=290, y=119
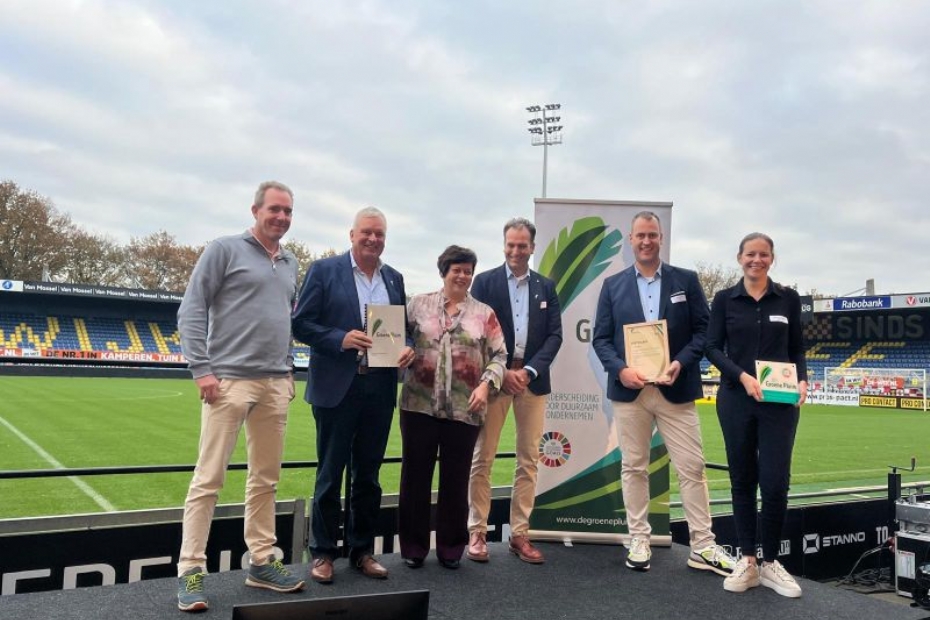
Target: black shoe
x=451, y=564
x=413, y=562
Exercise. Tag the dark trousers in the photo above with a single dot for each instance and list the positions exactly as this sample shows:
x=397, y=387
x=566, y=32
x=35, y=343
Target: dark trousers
x=358, y=427
x=425, y=439
x=759, y=439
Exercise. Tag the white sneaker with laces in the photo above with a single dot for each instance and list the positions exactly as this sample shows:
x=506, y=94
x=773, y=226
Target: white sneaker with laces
x=774, y=576
x=744, y=576
x=639, y=554
x=713, y=558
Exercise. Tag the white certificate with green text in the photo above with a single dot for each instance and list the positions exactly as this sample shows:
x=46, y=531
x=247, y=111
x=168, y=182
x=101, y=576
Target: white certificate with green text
x=385, y=327
x=779, y=382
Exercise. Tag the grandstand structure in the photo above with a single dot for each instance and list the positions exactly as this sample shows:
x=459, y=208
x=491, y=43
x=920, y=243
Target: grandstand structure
x=866, y=350
x=50, y=323
x=42, y=322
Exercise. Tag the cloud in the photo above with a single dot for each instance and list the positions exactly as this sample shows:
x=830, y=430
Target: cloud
x=805, y=120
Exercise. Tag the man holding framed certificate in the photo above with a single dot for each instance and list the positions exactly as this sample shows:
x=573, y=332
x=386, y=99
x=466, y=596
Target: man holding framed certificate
x=649, y=335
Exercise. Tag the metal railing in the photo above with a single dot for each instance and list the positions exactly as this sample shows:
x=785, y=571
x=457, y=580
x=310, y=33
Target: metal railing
x=162, y=469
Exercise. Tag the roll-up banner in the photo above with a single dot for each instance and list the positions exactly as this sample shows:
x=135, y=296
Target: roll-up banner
x=579, y=243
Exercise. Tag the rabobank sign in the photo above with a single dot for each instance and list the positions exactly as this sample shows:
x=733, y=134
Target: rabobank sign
x=841, y=304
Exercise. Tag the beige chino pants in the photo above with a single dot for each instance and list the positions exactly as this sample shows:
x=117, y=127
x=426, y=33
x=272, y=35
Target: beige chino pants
x=529, y=413
x=261, y=405
x=681, y=429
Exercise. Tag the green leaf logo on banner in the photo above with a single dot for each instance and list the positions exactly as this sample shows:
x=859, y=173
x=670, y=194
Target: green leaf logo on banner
x=574, y=259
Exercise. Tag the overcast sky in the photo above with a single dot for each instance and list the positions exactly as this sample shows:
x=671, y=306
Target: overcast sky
x=808, y=120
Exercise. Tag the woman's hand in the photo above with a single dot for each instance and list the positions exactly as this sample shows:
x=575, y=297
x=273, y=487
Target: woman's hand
x=479, y=397
x=751, y=385
x=802, y=388
x=407, y=355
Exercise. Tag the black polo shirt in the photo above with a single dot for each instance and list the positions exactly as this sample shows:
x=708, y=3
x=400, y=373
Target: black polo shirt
x=743, y=330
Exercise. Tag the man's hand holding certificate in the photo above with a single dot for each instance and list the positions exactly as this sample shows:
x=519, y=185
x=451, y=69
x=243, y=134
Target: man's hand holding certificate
x=647, y=351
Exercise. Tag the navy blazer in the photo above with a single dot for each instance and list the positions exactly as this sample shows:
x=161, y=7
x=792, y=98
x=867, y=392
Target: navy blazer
x=326, y=310
x=544, y=331
x=681, y=303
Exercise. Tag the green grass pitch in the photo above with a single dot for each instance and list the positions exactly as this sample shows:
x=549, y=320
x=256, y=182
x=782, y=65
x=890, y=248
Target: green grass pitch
x=79, y=422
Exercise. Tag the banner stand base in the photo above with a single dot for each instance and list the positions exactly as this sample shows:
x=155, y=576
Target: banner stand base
x=595, y=538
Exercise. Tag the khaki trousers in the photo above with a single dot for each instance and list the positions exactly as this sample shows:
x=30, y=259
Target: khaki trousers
x=681, y=429
x=261, y=405
x=529, y=413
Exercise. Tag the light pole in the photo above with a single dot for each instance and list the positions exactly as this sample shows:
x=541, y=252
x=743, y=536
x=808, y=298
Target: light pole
x=545, y=131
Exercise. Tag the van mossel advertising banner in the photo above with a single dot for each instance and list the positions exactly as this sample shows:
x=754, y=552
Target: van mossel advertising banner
x=579, y=243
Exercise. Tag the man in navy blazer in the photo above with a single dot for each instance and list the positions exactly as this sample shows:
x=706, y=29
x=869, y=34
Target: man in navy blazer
x=353, y=405
x=649, y=290
x=527, y=308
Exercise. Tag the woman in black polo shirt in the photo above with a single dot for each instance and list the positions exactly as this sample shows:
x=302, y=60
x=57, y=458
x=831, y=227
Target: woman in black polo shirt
x=757, y=319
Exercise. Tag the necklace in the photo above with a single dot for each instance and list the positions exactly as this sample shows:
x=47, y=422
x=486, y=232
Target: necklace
x=271, y=254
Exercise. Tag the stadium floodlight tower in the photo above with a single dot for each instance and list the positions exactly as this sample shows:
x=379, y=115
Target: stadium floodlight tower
x=545, y=131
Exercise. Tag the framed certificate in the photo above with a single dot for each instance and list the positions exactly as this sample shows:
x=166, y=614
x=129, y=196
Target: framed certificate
x=646, y=347
x=385, y=327
x=779, y=382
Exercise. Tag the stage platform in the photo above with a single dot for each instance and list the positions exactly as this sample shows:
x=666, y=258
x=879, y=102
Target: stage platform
x=580, y=582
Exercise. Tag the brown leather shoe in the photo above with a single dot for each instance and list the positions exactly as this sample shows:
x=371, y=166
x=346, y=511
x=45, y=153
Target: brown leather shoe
x=477, y=547
x=369, y=567
x=524, y=549
x=321, y=571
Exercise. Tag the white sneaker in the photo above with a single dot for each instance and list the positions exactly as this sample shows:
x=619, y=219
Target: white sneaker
x=743, y=577
x=639, y=554
x=713, y=558
x=774, y=576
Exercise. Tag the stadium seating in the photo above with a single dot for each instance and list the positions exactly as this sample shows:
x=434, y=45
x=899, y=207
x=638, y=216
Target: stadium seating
x=76, y=333
x=91, y=333
x=87, y=333
x=856, y=354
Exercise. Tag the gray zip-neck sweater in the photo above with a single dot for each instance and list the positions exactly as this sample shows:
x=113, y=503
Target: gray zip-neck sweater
x=235, y=317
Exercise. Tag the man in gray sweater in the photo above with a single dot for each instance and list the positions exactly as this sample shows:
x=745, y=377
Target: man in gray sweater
x=235, y=329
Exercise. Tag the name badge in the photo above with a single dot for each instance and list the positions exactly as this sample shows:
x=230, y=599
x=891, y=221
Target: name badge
x=677, y=299
x=777, y=318
x=543, y=305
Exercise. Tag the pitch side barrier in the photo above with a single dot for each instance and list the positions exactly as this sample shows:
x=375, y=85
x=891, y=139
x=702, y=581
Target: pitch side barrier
x=845, y=398
x=66, y=552
x=821, y=541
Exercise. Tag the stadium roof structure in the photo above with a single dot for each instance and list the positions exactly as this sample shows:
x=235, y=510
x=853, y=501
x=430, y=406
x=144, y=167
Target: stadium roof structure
x=872, y=302
x=89, y=290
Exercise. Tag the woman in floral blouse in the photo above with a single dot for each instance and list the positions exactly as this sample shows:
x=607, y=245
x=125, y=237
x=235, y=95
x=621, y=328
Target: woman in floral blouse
x=460, y=357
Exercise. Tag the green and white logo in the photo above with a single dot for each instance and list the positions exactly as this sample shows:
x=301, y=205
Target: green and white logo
x=575, y=258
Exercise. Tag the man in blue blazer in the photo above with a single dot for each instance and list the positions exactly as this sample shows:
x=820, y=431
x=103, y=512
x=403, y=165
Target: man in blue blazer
x=527, y=308
x=649, y=290
x=352, y=404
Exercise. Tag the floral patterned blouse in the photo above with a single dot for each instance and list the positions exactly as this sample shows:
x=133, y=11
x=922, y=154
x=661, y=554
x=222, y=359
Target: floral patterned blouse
x=453, y=354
